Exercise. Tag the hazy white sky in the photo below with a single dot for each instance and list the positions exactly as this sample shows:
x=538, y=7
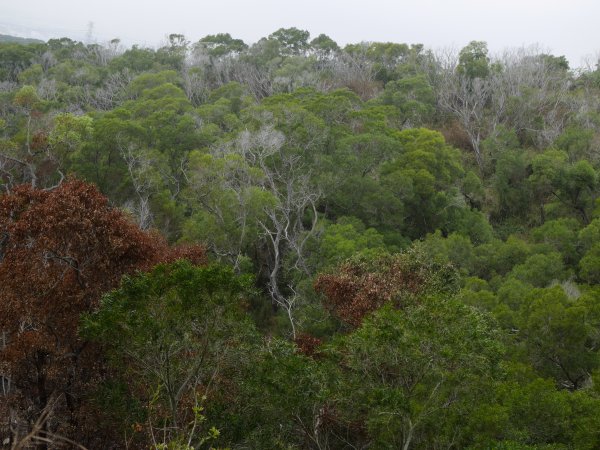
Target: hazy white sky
x=564, y=27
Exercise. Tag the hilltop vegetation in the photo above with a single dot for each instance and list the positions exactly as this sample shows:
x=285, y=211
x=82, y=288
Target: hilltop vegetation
x=295, y=245
x=4, y=38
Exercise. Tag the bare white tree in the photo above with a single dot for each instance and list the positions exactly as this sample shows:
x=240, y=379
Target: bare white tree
x=466, y=100
x=522, y=91
x=112, y=92
x=196, y=85
x=141, y=167
x=354, y=71
x=104, y=53
x=287, y=222
x=229, y=189
x=537, y=90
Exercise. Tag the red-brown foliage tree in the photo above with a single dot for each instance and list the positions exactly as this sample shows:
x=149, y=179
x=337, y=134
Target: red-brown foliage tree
x=60, y=250
x=308, y=345
x=361, y=285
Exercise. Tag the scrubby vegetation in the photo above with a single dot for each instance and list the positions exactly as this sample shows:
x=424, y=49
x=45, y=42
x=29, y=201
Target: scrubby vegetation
x=295, y=245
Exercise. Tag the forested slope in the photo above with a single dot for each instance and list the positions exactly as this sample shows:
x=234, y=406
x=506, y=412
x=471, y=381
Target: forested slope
x=295, y=245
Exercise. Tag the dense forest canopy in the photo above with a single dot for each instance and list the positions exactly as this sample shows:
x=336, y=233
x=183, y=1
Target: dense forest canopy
x=291, y=244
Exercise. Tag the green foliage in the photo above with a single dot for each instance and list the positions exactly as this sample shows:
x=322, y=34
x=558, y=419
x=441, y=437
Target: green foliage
x=281, y=391
x=494, y=146
x=456, y=249
x=169, y=332
x=571, y=187
x=561, y=236
x=577, y=143
x=291, y=40
x=424, y=177
x=32, y=75
x=229, y=204
x=15, y=58
x=135, y=59
x=473, y=60
x=26, y=98
x=346, y=238
x=498, y=257
x=324, y=45
x=70, y=133
x=589, y=235
x=561, y=335
x=148, y=81
x=510, y=184
x=410, y=375
x=220, y=45
x=541, y=269
x=294, y=160
x=413, y=96
x=589, y=266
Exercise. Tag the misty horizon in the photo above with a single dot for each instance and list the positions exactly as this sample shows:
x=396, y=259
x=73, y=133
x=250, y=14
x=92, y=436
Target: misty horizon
x=554, y=26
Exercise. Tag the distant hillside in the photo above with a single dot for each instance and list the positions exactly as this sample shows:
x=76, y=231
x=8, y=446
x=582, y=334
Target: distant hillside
x=19, y=40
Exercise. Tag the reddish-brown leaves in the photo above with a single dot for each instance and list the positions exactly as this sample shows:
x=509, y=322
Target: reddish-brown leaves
x=39, y=141
x=60, y=250
x=360, y=286
x=308, y=345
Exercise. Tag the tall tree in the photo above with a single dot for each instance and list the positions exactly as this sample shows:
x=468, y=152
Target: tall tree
x=172, y=335
x=60, y=250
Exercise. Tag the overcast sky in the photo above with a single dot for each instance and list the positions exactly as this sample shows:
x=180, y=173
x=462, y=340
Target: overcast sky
x=564, y=27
